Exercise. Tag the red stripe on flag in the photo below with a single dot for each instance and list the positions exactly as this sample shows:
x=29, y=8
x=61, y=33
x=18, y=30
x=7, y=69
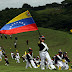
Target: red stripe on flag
x=30, y=27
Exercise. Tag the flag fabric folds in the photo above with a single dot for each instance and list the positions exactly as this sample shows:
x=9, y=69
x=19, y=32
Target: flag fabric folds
x=21, y=23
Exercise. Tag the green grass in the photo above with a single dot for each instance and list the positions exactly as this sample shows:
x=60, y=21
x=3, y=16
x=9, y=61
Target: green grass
x=55, y=39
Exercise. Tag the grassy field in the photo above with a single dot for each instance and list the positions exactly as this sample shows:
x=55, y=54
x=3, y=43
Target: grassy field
x=55, y=39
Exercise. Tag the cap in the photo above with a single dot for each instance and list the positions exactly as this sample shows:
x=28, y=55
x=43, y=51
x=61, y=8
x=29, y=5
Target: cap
x=30, y=49
x=60, y=51
x=42, y=37
x=64, y=52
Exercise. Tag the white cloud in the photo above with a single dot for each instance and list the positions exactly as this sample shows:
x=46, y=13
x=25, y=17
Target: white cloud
x=19, y=3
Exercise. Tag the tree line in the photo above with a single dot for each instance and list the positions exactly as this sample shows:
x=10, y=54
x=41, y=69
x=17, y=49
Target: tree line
x=55, y=16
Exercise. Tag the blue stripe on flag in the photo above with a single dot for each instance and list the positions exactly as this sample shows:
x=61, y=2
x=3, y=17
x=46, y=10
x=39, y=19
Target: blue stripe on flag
x=18, y=23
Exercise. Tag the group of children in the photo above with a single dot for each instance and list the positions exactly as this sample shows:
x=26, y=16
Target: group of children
x=5, y=36
x=61, y=60
x=15, y=57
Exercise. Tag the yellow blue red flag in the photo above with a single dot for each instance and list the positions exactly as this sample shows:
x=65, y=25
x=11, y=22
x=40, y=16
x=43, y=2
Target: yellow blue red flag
x=21, y=23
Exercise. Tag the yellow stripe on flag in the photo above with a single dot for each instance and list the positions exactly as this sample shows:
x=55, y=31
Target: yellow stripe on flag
x=23, y=15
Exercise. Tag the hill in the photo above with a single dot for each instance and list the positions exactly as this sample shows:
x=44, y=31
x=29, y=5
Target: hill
x=55, y=39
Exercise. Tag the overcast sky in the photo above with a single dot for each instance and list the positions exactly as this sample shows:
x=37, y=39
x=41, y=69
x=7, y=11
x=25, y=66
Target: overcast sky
x=19, y=3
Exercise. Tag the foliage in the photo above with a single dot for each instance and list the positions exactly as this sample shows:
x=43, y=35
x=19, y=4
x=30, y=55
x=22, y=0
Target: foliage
x=55, y=16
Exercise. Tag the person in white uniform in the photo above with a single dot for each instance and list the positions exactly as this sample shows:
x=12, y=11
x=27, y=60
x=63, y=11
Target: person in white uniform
x=18, y=54
x=66, y=60
x=43, y=51
x=58, y=60
x=12, y=55
x=29, y=58
x=0, y=54
x=17, y=58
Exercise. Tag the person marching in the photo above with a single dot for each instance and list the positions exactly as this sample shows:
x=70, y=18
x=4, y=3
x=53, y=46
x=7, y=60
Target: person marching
x=6, y=60
x=1, y=35
x=58, y=60
x=29, y=58
x=16, y=38
x=0, y=54
x=43, y=51
x=10, y=36
x=66, y=60
x=15, y=44
x=12, y=55
x=5, y=36
x=17, y=58
x=24, y=57
x=3, y=52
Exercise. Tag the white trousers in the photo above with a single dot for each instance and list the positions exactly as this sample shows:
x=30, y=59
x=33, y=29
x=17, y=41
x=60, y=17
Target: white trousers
x=59, y=64
x=0, y=58
x=29, y=65
x=17, y=61
x=66, y=66
x=43, y=56
x=12, y=56
x=63, y=65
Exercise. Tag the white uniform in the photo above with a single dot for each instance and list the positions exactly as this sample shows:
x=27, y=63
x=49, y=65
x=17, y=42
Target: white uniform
x=59, y=61
x=66, y=60
x=45, y=55
x=0, y=55
x=66, y=66
x=17, y=58
x=18, y=54
x=30, y=60
x=12, y=54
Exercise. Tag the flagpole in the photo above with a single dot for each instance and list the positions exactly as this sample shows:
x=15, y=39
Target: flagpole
x=39, y=32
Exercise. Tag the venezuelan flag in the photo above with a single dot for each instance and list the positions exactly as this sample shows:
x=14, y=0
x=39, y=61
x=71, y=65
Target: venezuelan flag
x=21, y=23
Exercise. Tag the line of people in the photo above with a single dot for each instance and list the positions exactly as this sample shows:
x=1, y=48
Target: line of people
x=61, y=60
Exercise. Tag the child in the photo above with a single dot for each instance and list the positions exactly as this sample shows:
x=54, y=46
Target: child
x=6, y=60
x=17, y=58
x=12, y=54
x=29, y=58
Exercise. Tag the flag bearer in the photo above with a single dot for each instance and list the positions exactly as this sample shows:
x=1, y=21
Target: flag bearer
x=43, y=51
